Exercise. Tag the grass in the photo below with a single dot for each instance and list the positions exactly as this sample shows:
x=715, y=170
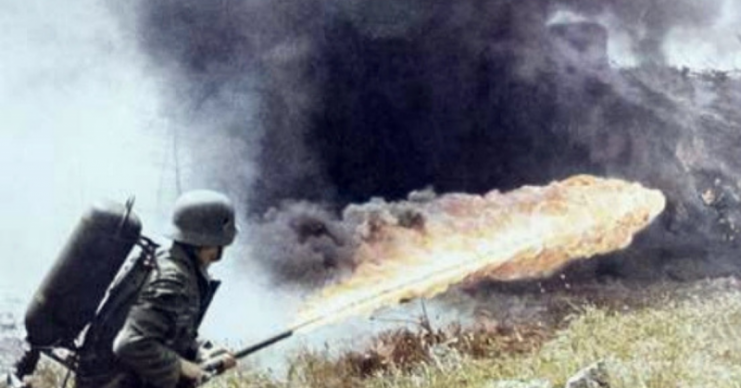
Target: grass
x=671, y=337
x=686, y=338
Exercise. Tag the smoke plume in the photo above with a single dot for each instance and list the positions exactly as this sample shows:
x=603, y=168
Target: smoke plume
x=337, y=102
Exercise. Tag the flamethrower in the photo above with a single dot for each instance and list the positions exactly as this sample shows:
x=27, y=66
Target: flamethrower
x=213, y=368
x=527, y=233
x=216, y=366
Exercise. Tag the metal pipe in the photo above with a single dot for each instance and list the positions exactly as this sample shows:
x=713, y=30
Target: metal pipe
x=263, y=344
x=216, y=366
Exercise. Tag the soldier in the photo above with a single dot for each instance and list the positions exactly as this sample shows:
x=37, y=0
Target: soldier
x=156, y=347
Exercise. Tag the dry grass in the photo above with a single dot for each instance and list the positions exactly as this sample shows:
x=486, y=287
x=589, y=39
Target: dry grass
x=693, y=342
x=678, y=337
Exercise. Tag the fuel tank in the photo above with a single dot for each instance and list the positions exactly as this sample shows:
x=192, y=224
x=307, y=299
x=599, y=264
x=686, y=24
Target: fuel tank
x=71, y=291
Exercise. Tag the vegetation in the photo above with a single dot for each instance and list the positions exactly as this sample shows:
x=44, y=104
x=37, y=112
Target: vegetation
x=671, y=336
x=676, y=337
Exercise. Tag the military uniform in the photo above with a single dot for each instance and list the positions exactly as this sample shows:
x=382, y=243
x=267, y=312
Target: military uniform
x=160, y=328
x=149, y=323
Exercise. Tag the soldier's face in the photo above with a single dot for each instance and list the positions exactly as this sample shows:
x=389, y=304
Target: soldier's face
x=209, y=255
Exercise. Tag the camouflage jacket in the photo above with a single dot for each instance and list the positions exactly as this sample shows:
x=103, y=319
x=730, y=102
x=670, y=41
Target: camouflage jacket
x=161, y=327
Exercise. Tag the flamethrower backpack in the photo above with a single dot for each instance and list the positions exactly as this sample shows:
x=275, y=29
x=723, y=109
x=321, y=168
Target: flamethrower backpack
x=85, y=297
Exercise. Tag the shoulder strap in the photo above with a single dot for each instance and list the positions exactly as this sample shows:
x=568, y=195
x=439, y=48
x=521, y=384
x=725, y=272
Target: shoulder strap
x=96, y=350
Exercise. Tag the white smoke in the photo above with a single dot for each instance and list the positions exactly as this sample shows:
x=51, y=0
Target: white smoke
x=717, y=46
x=79, y=121
x=712, y=44
x=81, y=118
x=619, y=51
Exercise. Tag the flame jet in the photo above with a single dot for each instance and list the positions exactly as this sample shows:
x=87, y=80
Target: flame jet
x=526, y=233
x=420, y=248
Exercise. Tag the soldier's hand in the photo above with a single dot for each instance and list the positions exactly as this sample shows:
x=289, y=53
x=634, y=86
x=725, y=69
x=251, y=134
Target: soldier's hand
x=215, y=359
x=191, y=371
x=220, y=363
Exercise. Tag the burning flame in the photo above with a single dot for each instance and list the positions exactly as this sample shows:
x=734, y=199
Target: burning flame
x=529, y=232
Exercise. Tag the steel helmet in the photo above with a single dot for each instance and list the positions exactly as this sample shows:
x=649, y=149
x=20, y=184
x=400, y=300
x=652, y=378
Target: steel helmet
x=203, y=218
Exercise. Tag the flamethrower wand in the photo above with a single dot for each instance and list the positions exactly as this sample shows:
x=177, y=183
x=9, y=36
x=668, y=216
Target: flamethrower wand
x=541, y=230
x=217, y=366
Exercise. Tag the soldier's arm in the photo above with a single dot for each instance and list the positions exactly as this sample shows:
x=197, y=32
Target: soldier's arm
x=142, y=342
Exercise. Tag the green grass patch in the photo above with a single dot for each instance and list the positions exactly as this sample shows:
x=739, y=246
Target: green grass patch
x=693, y=342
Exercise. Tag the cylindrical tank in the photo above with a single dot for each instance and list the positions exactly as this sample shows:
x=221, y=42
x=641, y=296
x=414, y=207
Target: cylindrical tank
x=68, y=297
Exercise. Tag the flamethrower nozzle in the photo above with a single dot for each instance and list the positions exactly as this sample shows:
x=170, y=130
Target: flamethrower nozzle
x=217, y=365
x=261, y=345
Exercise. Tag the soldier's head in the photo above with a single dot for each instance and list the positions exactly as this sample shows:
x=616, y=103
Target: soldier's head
x=205, y=220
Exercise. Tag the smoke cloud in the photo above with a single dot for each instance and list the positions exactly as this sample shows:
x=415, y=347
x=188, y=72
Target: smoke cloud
x=298, y=108
x=337, y=102
x=650, y=23
x=86, y=117
x=79, y=123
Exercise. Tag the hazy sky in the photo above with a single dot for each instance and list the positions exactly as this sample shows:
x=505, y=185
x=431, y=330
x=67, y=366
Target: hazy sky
x=81, y=120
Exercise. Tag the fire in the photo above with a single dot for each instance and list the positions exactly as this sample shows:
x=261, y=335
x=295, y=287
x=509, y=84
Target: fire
x=529, y=232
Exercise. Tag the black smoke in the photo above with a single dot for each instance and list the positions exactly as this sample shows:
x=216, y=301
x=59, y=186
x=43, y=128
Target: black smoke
x=356, y=99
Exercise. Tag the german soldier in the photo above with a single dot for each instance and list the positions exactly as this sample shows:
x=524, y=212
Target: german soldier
x=157, y=347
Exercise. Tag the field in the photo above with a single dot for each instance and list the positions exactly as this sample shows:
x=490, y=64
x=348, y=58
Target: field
x=661, y=335
x=658, y=335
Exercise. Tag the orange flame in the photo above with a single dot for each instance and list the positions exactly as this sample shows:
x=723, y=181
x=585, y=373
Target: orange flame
x=529, y=232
